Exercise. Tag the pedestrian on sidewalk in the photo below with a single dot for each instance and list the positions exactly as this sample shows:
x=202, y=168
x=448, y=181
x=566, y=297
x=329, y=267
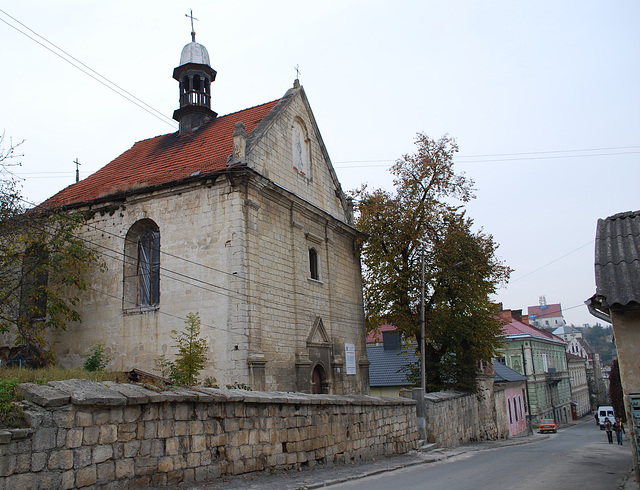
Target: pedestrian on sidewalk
x=608, y=428
x=619, y=430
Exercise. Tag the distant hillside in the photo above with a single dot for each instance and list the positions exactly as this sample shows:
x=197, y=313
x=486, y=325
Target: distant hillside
x=600, y=338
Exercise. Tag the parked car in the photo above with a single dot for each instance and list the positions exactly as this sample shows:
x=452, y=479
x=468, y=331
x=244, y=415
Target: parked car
x=547, y=425
x=605, y=412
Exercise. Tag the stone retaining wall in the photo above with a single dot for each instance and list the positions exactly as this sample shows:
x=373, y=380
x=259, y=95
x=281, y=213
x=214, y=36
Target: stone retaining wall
x=454, y=418
x=108, y=435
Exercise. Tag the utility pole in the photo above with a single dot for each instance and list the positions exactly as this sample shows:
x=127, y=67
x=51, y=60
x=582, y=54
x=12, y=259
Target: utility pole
x=526, y=388
x=423, y=375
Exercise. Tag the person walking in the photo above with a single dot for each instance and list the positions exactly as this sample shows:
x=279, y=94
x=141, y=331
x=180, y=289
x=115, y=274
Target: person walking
x=619, y=430
x=608, y=428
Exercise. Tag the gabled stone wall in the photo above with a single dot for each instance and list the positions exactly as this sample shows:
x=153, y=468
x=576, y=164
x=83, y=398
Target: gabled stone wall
x=108, y=435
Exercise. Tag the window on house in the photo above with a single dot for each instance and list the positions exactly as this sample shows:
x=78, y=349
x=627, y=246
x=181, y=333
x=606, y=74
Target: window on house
x=520, y=407
x=313, y=264
x=510, y=416
x=142, y=265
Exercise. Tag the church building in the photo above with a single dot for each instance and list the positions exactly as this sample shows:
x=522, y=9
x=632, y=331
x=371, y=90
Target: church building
x=238, y=218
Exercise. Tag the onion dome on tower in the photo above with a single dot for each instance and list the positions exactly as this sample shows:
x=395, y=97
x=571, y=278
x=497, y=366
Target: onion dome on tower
x=195, y=76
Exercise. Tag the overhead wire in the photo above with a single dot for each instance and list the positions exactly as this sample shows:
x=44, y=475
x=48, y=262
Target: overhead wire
x=102, y=79
x=159, y=115
x=205, y=285
x=554, y=261
x=521, y=156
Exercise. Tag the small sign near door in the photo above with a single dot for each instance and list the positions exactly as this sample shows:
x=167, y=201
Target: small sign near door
x=350, y=358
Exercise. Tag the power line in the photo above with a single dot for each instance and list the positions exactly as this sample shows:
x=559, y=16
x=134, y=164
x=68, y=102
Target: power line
x=278, y=306
x=552, y=154
x=549, y=152
x=554, y=261
x=109, y=84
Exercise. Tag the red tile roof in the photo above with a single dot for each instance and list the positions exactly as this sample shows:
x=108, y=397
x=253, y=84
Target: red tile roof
x=376, y=334
x=518, y=328
x=163, y=159
x=550, y=311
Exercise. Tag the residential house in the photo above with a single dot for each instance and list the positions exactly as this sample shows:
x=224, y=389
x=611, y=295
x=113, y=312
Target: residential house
x=617, y=301
x=539, y=355
x=597, y=388
x=580, y=397
x=389, y=361
x=546, y=316
x=239, y=218
x=510, y=385
x=567, y=332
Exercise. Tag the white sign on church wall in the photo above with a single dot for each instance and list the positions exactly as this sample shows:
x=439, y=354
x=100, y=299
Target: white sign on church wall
x=350, y=358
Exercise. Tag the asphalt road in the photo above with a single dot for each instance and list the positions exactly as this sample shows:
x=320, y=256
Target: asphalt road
x=577, y=457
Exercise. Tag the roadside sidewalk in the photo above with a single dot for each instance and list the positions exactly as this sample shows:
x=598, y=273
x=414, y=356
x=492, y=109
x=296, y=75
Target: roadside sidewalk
x=322, y=476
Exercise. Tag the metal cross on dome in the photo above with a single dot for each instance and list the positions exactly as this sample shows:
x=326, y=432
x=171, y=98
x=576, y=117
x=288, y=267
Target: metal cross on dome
x=297, y=69
x=193, y=31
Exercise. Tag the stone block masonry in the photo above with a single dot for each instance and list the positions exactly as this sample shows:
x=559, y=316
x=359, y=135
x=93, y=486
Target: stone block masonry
x=108, y=435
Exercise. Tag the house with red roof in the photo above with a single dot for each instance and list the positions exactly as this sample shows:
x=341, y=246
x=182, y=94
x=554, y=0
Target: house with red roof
x=239, y=218
x=546, y=316
x=540, y=356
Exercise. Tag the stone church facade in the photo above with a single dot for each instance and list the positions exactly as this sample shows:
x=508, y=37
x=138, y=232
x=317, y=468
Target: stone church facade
x=238, y=218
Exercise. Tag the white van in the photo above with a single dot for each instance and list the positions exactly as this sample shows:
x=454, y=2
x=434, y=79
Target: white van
x=605, y=412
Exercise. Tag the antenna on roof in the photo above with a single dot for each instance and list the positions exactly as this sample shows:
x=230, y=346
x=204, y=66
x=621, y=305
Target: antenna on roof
x=193, y=31
x=77, y=169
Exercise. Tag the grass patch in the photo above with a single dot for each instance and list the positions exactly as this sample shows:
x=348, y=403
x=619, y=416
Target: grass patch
x=11, y=413
x=44, y=375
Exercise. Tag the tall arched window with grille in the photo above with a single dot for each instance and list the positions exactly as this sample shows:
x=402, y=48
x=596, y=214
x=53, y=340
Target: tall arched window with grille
x=142, y=265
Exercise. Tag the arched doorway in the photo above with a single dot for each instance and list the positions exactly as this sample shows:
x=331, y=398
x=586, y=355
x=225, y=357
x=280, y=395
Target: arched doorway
x=318, y=380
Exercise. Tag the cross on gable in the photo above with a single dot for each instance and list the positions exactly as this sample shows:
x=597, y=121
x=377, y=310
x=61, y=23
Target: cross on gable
x=77, y=169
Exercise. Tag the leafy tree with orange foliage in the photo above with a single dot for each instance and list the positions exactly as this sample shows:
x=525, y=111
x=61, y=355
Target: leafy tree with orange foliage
x=419, y=218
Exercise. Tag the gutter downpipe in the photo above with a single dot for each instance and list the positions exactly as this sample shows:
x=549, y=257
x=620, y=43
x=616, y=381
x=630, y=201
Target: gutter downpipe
x=595, y=312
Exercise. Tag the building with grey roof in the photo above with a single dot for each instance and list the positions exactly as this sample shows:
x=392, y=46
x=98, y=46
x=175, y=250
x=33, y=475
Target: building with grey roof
x=617, y=301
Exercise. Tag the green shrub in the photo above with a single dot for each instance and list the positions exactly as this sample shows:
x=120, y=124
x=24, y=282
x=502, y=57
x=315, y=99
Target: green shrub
x=95, y=359
x=191, y=354
x=10, y=413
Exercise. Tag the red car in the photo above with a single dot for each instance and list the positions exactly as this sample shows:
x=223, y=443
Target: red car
x=547, y=425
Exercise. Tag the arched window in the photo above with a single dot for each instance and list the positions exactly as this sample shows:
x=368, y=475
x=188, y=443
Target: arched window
x=300, y=149
x=142, y=265
x=313, y=264
x=196, y=83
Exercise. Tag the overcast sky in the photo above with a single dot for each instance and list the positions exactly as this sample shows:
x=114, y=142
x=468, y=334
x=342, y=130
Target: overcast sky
x=543, y=98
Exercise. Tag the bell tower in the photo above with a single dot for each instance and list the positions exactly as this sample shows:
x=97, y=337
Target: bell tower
x=195, y=76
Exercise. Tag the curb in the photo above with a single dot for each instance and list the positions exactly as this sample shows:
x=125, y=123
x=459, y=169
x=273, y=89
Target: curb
x=442, y=455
